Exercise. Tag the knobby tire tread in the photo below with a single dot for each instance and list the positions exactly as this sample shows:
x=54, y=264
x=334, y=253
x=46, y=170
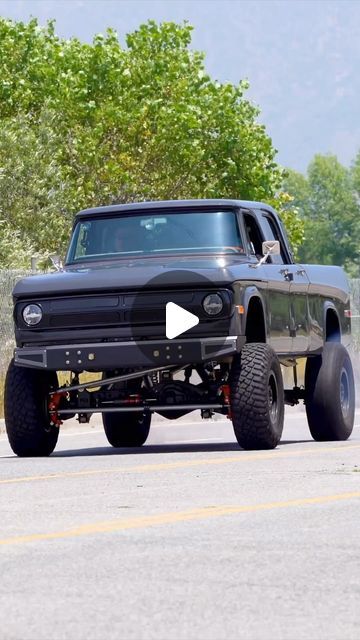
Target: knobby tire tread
x=249, y=397
x=27, y=424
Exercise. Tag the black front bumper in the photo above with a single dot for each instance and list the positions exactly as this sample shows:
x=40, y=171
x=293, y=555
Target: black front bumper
x=115, y=355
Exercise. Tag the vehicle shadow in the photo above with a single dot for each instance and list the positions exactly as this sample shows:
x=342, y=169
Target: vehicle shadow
x=145, y=450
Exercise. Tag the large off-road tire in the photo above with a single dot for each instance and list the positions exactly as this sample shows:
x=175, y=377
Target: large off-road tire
x=126, y=429
x=330, y=393
x=27, y=421
x=257, y=397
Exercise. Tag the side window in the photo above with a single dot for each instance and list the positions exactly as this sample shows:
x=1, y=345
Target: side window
x=287, y=240
x=253, y=236
x=272, y=233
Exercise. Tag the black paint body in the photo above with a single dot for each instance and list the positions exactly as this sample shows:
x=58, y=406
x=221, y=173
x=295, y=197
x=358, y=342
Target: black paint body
x=108, y=309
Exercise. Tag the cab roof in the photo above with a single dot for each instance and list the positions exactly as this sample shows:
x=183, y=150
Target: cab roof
x=170, y=204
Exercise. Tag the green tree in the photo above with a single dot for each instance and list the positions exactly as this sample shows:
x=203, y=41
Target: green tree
x=327, y=201
x=33, y=194
x=355, y=175
x=89, y=124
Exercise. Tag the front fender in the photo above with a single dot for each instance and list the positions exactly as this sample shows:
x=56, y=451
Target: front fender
x=243, y=296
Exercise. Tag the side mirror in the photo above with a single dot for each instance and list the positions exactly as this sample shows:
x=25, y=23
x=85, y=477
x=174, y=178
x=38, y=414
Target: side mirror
x=56, y=262
x=271, y=248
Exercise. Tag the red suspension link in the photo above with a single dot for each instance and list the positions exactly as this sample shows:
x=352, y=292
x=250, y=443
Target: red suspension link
x=225, y=388
x=53, y=408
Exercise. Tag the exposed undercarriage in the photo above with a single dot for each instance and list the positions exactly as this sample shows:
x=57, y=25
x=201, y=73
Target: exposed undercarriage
x=169, y=391
x=150, y=390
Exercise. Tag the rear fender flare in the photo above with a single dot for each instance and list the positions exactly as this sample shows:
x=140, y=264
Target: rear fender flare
x=329, y=306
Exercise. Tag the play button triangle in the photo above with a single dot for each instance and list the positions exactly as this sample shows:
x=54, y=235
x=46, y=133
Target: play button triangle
x=178, y=320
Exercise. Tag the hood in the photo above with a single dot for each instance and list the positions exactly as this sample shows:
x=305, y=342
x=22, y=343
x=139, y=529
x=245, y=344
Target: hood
x=136, y=273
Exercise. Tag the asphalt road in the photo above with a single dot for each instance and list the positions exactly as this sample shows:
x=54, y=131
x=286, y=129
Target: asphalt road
x=187, y=538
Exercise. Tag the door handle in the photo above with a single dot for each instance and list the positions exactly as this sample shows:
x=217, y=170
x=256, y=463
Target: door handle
x=288, y=275
x=301, y=272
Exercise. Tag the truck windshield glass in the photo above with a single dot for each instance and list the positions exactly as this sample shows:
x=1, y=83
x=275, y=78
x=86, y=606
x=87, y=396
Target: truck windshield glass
x=160, y=233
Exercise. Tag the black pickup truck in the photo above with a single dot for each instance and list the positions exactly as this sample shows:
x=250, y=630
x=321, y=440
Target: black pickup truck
x=178, y=306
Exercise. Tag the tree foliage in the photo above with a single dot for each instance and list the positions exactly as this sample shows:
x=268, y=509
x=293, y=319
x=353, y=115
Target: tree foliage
x=355, y=175
x=329, y=205
x=90, y=124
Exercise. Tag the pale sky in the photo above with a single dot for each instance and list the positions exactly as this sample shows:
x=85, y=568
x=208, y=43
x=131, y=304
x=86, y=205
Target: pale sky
x=302, y=58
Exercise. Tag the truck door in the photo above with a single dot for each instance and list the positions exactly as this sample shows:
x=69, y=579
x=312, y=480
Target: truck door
x=299, y=311
x=278, y=287
x=298, y=289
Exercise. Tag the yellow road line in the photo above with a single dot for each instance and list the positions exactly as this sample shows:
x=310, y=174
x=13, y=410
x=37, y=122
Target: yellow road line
x=143, y=522
x=182, y=464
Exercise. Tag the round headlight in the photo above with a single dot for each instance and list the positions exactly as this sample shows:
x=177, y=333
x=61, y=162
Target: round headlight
x=213, y=304
x=32, y=314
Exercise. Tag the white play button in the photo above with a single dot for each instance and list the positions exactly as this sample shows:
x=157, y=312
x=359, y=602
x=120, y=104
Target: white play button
x=178, y=320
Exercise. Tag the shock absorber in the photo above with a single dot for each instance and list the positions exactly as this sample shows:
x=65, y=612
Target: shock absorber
x=225, y=390
x=53, y=406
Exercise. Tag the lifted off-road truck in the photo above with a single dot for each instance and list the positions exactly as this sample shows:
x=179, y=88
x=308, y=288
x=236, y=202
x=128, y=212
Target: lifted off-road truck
x=135, y=278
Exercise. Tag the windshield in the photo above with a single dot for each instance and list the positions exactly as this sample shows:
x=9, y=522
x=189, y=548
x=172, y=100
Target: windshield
x=161, y=233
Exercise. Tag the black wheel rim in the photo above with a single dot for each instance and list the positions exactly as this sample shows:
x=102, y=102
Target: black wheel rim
x=273, y=399
x=344, y=392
